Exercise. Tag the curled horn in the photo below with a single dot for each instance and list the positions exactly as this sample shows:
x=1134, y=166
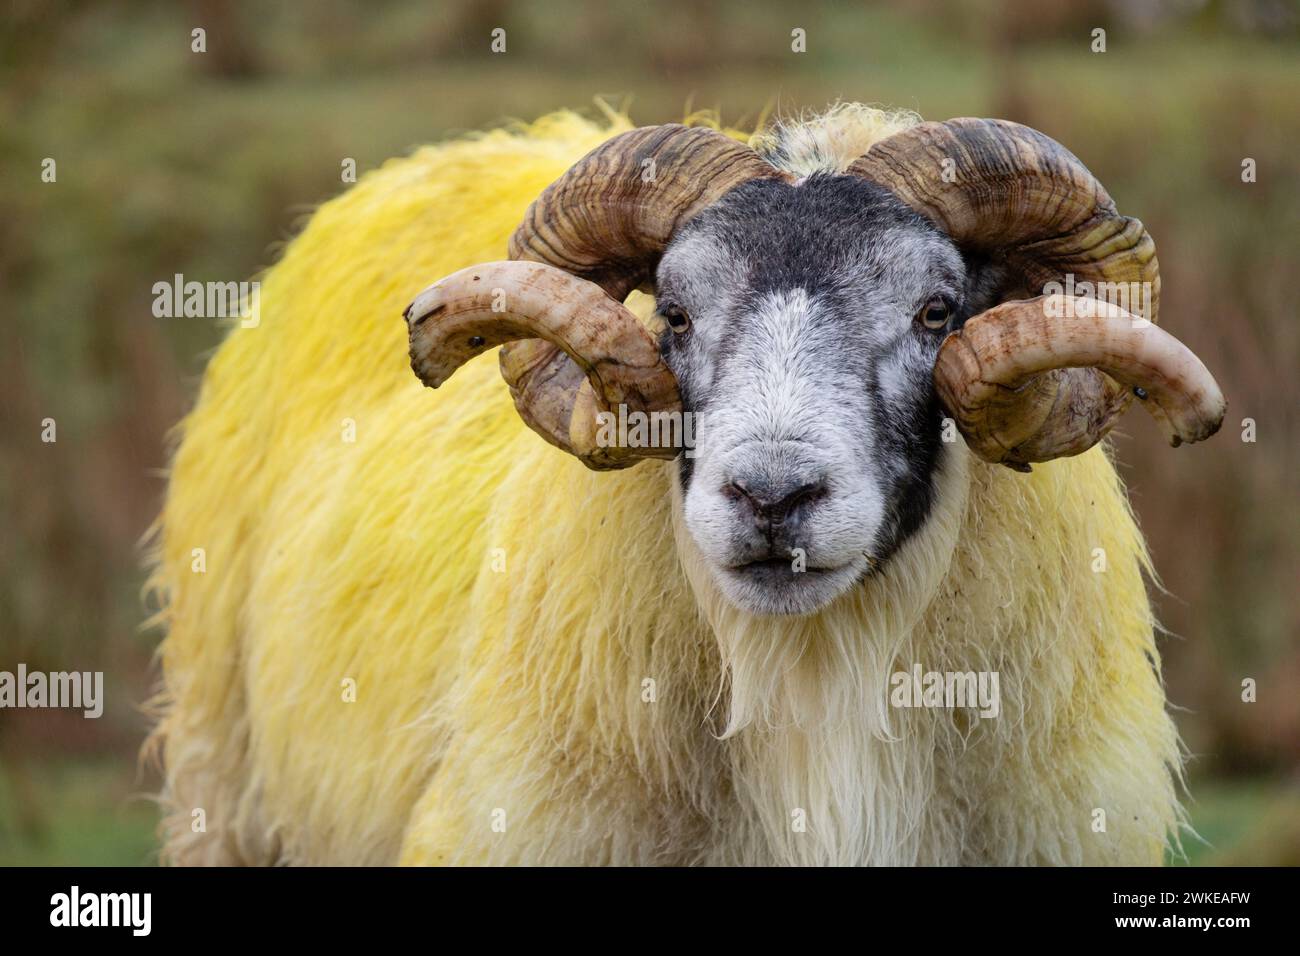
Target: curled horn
x=1004, y=377
x=571, y=348
x=1011, y=193
x=608, y=357
x=607, y=221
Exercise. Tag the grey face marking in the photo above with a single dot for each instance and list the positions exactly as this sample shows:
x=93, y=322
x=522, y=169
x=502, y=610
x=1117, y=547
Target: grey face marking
x=817, y=424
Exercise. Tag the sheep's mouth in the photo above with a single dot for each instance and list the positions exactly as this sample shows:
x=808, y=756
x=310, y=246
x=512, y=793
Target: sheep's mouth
x=776, y=567
x=772, y=586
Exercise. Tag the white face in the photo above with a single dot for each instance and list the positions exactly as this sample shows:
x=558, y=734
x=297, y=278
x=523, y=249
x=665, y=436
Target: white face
x=807, y=362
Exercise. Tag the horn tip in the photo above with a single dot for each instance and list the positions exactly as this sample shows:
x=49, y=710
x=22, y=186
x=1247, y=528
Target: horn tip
x=429, y=376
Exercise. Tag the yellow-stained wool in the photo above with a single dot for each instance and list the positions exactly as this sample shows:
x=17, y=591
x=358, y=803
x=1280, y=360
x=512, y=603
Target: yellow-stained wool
x=543, y=671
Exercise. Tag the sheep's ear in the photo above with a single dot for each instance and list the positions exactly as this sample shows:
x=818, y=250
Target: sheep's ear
x=570, y=353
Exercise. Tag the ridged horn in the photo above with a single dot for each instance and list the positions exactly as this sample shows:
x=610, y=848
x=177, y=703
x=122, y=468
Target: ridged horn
x=1001, y=377
x=608, y=220
x=611, y=215
x=1016, y=195
x=608, y=357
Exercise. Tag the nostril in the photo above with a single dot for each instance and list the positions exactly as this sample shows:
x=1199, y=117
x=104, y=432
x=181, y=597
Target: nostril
x=735, y=491
x=803, y=495
x=739, y=493
x=775, y=503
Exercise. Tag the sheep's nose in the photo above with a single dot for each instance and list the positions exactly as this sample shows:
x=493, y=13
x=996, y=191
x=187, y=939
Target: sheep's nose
x=772, y=503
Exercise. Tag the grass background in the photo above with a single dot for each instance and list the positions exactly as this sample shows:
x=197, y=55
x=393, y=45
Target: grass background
x=206, y=164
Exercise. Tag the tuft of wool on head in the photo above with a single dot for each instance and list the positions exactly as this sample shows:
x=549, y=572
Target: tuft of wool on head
x=828, y=141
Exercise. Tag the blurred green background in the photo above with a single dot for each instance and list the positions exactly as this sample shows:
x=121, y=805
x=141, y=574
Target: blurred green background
x=205, y=164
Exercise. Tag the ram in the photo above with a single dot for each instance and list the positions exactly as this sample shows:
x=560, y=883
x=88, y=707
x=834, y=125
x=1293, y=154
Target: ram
x=422, y=634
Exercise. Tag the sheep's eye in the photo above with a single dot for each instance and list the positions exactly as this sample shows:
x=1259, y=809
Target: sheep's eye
x=677, y=318
x=935, y=314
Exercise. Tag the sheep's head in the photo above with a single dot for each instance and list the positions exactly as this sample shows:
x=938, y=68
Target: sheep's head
x=814, y=336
